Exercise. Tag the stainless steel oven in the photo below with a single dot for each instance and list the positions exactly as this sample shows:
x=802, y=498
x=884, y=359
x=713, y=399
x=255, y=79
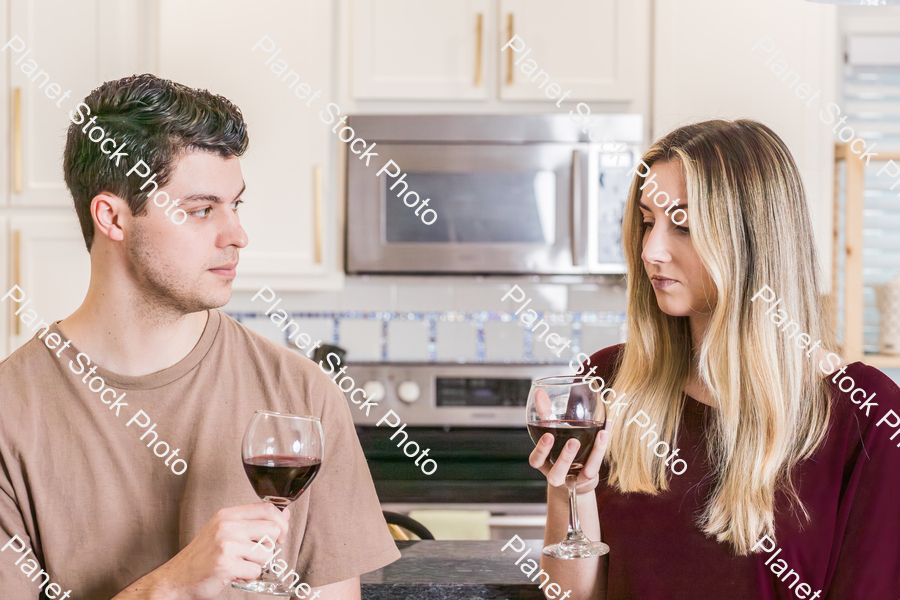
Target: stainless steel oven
x=512, y=194
x=472, y=418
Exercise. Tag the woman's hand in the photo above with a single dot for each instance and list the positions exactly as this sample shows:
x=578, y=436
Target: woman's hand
x=589, y=476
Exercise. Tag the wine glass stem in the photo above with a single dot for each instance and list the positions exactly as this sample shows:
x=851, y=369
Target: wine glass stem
x=267, y=574
x=575, y=535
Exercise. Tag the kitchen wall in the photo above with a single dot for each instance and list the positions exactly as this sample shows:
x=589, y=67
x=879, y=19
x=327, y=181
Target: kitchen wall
x=448, y=319
x=397, y=318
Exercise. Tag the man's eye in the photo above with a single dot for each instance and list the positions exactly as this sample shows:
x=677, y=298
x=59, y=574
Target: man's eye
x=205, y=212
x=236, y=204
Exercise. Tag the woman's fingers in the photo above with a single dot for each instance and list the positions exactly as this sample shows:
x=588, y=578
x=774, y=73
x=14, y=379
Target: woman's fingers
x=538, y=456
x=543, y=405
x=595, y=459
x=557, y=474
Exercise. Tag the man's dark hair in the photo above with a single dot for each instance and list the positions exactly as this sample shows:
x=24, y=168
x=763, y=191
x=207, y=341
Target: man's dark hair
x=157, y=120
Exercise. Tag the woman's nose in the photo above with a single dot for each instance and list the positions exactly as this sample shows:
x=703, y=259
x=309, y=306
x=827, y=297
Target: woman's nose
x=656, y=246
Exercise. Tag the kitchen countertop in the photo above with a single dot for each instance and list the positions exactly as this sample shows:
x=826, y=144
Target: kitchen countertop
x=453, y=570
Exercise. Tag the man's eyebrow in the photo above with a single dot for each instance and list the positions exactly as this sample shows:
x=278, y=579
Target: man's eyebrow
x=210, y=197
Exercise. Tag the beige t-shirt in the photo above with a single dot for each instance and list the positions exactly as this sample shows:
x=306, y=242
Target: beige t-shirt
x=98, y=508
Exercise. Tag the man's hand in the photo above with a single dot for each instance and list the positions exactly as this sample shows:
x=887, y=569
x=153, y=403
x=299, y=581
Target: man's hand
x=221, y=553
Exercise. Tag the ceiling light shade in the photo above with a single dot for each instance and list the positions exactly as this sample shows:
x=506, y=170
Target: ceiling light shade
x=859, y=2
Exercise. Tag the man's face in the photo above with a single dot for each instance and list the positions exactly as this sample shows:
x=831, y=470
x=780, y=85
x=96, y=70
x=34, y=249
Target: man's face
x=190, y=267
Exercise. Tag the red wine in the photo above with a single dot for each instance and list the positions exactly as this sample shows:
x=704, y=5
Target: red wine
x=563, y=430
x=281, y=479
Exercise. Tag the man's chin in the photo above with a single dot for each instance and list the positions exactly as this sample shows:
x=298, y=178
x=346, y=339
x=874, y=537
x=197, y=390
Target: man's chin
x=223, y=297
x=216, y=298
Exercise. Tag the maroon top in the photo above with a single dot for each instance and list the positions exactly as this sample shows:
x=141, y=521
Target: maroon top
x=850, y=548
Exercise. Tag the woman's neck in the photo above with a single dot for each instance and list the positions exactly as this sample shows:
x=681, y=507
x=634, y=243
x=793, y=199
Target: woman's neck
x=693, y=387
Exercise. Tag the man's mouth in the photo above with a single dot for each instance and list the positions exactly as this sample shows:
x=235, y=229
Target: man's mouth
x=228, y=270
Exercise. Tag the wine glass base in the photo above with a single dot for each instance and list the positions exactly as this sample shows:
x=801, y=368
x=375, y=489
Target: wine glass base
x=274, y=588
x=581, y=550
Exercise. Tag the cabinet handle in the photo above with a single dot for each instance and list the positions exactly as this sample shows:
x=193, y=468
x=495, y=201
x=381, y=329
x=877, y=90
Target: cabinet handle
x=17, y=141
x=575, y=206
x=509, y=57
x=479, y=23
x=317, y=208
x=16, y=274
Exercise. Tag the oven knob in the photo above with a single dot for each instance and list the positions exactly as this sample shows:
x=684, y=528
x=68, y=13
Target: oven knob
x=374, y=390
x=408, y=391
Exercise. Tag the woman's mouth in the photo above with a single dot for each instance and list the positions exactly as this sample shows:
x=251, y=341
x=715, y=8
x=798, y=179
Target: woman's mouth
x=661, y=283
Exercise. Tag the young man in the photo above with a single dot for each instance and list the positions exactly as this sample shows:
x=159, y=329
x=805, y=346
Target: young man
x=83, y=485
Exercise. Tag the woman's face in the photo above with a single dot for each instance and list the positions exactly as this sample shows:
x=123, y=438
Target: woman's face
x=682, y=285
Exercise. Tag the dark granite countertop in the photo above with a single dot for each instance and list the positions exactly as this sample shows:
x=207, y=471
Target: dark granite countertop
x=454, y=570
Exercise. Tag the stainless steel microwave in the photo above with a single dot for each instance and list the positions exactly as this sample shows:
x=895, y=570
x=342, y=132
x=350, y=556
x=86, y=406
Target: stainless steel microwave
x=511, y=194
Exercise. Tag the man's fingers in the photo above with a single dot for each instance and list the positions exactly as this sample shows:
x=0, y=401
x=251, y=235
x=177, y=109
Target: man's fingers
x=257, y=530
x=251, y=566
x=266, y=511
x=538, y=456
x=257, y=510
x=557, y=474
x=543, y=405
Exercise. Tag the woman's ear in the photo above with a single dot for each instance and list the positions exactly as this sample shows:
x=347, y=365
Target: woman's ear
x=107, y=211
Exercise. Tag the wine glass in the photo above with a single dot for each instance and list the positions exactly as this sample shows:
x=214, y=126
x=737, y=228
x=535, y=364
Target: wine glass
x=282, y=454
x=567, y=407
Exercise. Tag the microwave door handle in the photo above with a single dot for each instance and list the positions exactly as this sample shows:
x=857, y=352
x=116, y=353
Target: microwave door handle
x=575, y=210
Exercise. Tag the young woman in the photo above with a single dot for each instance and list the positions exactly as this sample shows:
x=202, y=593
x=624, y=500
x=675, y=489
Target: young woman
x=791, y=483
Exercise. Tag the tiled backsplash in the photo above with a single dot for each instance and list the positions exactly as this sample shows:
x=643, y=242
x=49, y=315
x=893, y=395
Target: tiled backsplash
x=446, y=320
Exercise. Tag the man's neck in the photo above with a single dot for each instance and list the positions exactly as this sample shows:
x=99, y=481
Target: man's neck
x=127, y=338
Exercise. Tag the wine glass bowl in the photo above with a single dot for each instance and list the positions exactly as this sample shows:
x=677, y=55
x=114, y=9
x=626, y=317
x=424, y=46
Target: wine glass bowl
x=568, y=407
x=281, y=454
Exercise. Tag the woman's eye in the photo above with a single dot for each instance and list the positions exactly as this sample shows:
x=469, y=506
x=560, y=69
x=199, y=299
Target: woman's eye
x=683, y=229
x=648, y=224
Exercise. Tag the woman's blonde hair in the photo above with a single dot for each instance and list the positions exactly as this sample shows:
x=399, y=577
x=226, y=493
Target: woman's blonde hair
x=750, y=226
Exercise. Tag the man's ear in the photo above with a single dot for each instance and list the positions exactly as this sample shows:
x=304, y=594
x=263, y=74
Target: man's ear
x=108, y=212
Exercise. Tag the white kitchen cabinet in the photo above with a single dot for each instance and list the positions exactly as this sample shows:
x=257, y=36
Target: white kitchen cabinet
x=587, y=46
x=49, y=262
x=78, y=46
x=290, y=211
x=68, y=49
x=6, y=307
x=433, y=50
x=421, y=49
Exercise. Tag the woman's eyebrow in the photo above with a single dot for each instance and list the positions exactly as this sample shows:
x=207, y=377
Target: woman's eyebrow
x=648, y=209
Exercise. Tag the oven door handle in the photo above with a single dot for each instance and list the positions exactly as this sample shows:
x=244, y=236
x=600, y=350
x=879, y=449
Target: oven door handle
x=575, y=211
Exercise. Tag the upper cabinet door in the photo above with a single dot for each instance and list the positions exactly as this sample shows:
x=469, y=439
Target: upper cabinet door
x=67, y=49
x=588, y=47
x=275, y=65
x=7, y=313
x=421, y=49
x=51, y=266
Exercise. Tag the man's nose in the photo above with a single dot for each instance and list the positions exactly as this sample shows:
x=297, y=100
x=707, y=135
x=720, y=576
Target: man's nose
x=233, y=233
